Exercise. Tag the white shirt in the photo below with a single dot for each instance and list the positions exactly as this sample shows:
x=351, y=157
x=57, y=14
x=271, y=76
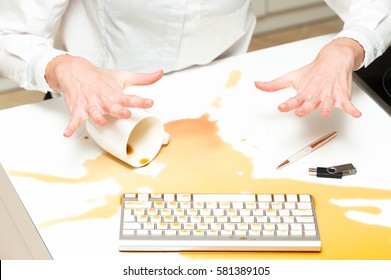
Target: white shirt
x=145, y=36
x=366, y=21
x=140, y=36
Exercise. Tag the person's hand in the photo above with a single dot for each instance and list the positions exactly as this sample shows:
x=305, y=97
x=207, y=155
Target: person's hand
x=324, y=84
x=91, y=92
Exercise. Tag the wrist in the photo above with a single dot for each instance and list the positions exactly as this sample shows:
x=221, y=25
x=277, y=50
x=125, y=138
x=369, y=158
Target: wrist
x=350, y=49
x=53, y=71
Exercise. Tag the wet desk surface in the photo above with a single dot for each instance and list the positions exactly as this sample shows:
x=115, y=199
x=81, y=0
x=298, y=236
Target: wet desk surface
x=226, y=137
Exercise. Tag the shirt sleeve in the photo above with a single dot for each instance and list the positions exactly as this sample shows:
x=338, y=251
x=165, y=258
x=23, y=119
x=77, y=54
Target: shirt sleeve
x=366, y=21
x=27, y=30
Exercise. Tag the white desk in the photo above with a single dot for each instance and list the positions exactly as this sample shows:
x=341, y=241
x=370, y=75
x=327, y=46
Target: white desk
x=226, y=136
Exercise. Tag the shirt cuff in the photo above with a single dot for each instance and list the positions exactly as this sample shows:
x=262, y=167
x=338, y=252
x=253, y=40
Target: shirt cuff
x=37, y=67
x=366, y=38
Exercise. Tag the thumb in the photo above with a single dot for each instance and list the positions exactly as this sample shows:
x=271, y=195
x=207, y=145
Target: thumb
x=274, y=85
x=141, y=79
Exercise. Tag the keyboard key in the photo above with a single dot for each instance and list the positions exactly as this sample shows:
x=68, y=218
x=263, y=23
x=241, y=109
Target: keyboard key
x=304, y=198
x=305, y=219
x=169, y=197
x=183, y=197
x=134, y=225
x=138, y=204
x=143, y=197
x=278, y=198
x=156, y=196
x=291, y=198
x=264, y=197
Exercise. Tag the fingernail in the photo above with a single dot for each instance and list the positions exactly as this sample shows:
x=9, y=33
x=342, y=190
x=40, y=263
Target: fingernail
x=282, y=106
x=148, y=102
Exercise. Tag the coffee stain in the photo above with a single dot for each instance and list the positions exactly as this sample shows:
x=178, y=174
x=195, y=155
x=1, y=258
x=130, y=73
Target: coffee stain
x=233, y=79
x=199, y=161
x=129, y=149
x=143, y=161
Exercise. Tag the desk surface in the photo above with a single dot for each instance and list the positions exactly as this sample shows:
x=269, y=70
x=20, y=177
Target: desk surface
x=226, y=136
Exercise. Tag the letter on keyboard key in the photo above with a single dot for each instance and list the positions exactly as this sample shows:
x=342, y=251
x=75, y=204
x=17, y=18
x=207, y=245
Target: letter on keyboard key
x=130, y=196
x=305, y=219
x=268, y=232
x=282, y=232
x=156, y=232
x=156, y=196
x=169, y=197
x=142, y=232
x=296, y=227
x=309, y=227
x=310, y=232
x=212, y=232
x=170, y=232
x=237, y=205
x=296, y=232
x=143, y=197
x=175, y=226
x=138, y=204
x=199, y=232
x=304, y=205
x=302, y=212
x=240, y=232
x=254, y=232
x=162, y=225
x=149, y=225
x=226, y=232
x=202, y=226
x=183, y=197
x=184, y=232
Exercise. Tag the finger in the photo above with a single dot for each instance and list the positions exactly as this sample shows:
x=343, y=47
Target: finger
x=274, y=85
x=348, y=107
x=73, y=125
x=118, y=111
x=96, y=116
x=307, y=107
x=326, y=108
x=291, y=104
x=141, y=79
x=134, y=101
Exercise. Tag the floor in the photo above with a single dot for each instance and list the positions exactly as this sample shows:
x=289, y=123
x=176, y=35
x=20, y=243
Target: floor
x=19, y=97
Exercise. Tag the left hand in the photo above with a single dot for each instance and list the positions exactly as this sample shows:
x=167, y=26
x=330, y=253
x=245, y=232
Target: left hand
x=324, y=84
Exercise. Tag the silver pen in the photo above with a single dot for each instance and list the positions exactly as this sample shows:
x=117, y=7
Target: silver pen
x=308, y=149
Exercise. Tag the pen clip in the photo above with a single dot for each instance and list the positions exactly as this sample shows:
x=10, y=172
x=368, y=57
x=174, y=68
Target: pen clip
x=323, y=140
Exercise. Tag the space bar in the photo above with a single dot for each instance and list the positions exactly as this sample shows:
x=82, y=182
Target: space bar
x=224, y=197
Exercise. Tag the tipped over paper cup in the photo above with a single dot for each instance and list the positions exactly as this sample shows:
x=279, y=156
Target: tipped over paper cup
x=136, y=140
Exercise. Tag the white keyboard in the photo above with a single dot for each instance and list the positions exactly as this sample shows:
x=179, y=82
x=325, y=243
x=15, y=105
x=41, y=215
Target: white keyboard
x=218, y=222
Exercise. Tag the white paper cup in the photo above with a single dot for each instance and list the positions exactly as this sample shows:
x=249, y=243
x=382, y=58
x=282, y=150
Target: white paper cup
x=136, y=140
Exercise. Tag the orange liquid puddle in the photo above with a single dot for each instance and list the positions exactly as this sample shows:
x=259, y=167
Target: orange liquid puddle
x=198, y=161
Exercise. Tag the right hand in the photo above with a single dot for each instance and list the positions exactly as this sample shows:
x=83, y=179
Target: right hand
x=324, y=84
x=91, y=92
